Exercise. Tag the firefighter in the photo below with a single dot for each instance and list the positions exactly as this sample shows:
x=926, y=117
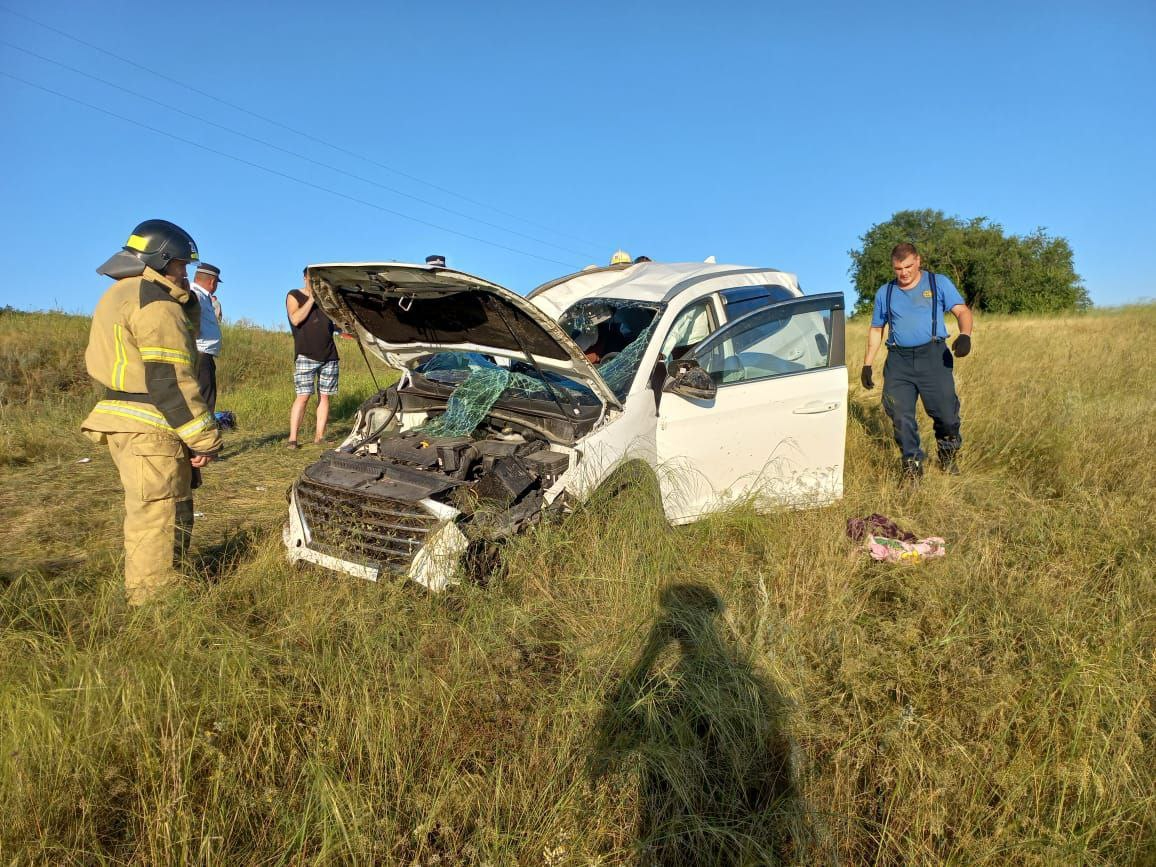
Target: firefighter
x=919, y=364
x=142, y=350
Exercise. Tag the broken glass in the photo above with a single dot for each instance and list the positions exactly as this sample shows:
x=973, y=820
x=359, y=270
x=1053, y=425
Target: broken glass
x=480, y=383
x=624, y=330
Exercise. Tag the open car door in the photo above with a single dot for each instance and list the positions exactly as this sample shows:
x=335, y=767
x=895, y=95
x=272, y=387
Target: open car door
x=775, y=429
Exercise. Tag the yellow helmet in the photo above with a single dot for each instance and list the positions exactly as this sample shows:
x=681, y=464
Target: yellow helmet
x=620, y=257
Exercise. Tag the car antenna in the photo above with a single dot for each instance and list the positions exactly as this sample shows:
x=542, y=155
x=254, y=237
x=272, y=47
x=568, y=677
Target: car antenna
x=534, y=364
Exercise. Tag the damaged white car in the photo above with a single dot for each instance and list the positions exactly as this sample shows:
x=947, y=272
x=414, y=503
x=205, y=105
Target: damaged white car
x=727, y=381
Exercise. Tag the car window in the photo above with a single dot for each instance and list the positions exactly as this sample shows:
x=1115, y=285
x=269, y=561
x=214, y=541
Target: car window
x=771, y=347
x=743, y=299
x=692, y=326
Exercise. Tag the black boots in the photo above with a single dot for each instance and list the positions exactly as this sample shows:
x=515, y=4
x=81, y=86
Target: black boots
x=912, y=471
x=948, y=448
x=948, y=462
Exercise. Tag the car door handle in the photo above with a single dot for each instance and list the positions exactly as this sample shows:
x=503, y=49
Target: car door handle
x=815, y=407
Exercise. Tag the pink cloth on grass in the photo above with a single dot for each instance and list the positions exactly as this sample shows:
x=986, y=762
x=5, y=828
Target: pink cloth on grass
x=898, y=551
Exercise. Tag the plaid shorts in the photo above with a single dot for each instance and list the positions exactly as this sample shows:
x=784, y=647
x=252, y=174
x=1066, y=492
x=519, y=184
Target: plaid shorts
x=307, y=374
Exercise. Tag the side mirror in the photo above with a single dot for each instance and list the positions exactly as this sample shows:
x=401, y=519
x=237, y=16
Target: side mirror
x=687, y=379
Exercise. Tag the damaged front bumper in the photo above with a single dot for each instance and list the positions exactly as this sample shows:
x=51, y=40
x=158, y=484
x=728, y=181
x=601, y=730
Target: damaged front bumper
x=420, y=540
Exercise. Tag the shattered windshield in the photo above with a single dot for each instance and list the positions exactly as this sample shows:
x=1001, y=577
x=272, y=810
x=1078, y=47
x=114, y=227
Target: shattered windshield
x=613, y=334
x=480, y=381
x=520, y=380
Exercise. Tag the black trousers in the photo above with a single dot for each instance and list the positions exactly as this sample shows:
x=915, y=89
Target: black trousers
x=207, y=379
x=924, y=372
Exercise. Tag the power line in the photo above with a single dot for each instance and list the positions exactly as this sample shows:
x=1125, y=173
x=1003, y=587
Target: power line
x=293, y=153
x=281, y=174
x=288, y=128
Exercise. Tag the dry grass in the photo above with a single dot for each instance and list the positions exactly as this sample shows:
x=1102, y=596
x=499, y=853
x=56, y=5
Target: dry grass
x=589, y=706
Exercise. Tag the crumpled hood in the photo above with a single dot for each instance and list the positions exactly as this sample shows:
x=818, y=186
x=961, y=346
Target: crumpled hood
x=401, y=312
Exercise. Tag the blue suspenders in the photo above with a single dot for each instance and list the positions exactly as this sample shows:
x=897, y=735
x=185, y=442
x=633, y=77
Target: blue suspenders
x=934, y=307
x=890, y=325
x=934, y=310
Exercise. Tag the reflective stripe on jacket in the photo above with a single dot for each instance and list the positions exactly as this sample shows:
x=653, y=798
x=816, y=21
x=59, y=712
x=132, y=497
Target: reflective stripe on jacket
x=142, y=345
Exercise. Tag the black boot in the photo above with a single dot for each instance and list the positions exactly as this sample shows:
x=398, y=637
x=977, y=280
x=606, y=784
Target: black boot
x=948, y=449
x=948, y=461
x=912, y=471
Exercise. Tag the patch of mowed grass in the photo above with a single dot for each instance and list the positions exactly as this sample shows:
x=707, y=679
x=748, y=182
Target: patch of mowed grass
x=746, y=689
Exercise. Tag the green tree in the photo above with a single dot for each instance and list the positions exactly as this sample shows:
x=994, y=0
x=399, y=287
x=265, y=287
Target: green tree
x=995, y=272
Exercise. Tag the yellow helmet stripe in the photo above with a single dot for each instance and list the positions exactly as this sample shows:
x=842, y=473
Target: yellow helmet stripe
x=136, y=242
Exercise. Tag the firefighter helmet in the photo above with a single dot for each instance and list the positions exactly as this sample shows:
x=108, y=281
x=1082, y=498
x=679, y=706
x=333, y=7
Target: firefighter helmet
x=152, y=244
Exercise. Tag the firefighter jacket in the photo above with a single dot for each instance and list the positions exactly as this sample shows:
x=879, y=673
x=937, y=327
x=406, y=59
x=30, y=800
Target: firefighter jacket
x=142, y=349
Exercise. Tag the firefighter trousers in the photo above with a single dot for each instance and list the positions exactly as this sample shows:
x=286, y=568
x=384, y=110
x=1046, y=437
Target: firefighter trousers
x=158, y=509
x=924, y=372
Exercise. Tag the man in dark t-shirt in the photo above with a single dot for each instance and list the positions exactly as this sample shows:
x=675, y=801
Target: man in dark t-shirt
x=315, y=364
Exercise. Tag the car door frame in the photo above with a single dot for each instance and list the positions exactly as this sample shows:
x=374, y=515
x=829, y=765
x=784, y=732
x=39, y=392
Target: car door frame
x=692, y=489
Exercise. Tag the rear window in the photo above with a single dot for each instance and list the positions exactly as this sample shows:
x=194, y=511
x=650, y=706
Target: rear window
x=743, y=299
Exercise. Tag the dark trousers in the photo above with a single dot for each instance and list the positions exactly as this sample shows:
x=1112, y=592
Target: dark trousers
x=207, y=379
x=924, y=372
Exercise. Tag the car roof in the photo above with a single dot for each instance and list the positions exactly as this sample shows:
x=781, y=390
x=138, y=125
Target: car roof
x=653, y=282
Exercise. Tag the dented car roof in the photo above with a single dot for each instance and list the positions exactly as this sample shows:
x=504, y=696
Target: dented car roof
x=651, y=282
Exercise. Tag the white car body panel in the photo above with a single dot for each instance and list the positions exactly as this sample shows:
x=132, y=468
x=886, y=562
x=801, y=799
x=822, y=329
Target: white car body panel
x=778, y=440
x=628, y=436
x=435, y=565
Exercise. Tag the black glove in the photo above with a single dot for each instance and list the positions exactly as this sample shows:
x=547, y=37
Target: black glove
x=962, y=345
x=866, y=378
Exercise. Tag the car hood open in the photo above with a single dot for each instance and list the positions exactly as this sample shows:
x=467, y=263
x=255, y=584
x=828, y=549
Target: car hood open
x=402, y=312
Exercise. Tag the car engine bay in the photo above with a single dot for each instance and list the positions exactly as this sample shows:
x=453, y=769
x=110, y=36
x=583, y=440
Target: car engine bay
x=369, y=500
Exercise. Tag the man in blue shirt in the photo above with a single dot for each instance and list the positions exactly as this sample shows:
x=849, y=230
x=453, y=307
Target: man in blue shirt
x=919, y=363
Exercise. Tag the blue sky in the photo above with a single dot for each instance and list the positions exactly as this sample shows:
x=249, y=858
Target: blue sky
x=760, y=133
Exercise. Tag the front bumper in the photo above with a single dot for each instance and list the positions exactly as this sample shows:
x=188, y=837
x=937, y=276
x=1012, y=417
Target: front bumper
x=370, y=538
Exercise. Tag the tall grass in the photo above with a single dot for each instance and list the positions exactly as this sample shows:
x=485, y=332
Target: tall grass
x=748, y=689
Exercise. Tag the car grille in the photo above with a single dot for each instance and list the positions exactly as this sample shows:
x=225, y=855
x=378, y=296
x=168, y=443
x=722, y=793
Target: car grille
x=371, y=531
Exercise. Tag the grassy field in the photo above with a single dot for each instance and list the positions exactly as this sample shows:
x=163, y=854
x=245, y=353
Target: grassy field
x=750, y=689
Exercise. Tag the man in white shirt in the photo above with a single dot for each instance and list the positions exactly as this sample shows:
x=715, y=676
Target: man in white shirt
x=205, y=283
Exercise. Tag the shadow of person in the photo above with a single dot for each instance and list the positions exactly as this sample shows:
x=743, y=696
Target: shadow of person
x=706, y=733
x=214, y=562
